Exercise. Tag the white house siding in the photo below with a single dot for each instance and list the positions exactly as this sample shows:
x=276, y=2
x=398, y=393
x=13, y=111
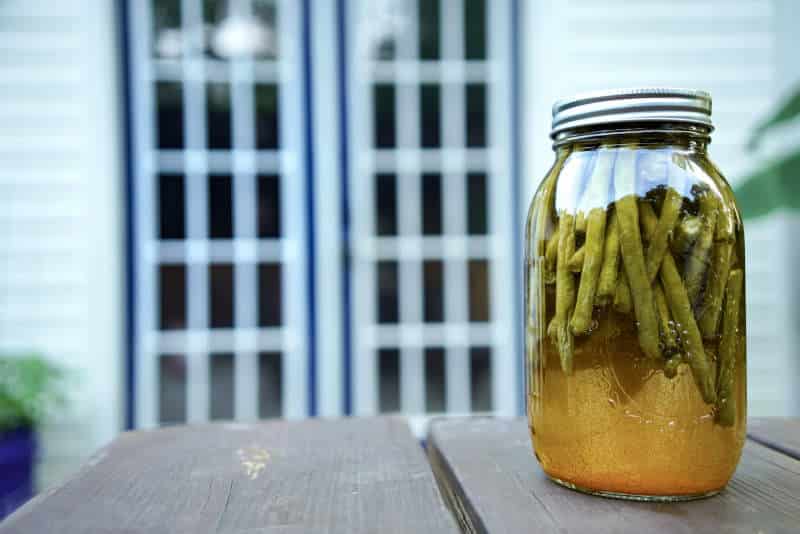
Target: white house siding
x=61, y=244
x=744, y=53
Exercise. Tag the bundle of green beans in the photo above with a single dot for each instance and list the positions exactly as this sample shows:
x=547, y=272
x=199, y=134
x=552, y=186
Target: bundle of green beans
x=671, y=270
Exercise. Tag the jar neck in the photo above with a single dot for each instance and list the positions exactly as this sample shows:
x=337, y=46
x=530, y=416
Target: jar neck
x=688, y=137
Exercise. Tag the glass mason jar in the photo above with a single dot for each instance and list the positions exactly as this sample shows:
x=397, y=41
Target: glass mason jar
x=635, y=305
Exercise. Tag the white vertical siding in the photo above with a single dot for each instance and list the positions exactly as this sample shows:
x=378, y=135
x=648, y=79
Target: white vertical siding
x=61, y=231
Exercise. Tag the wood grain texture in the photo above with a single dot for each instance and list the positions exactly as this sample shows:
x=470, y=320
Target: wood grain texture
x=316, y=476
x=779, y=433
x=490, y=478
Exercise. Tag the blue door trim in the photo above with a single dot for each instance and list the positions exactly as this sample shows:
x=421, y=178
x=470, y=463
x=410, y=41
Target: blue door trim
x=124, y=36
x=305, y=28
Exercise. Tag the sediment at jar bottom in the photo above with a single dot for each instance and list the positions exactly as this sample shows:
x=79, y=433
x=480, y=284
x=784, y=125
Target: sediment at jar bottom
x=617, y=423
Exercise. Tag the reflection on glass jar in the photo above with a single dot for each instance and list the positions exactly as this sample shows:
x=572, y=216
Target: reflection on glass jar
x=635, y=321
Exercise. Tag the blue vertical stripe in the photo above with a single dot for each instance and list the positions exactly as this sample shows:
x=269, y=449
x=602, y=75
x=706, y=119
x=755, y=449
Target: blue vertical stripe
x=305, y=29
x=345, y=204
x=516, y=110
x=130, y=235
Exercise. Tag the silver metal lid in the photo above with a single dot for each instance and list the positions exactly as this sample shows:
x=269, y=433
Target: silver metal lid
x=654, y=104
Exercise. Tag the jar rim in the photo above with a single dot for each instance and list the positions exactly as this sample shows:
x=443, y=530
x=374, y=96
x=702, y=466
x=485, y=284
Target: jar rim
x=636, y=105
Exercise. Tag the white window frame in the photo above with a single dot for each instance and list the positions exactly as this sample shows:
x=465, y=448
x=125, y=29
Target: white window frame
x=245, y=250
x=454, y=247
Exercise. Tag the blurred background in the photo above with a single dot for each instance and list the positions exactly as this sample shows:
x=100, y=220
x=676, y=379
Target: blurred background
x=248, y=209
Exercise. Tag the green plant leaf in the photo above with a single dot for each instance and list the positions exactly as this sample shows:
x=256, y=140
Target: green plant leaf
x=788, y=111
x=30, y=388
x=774, y=187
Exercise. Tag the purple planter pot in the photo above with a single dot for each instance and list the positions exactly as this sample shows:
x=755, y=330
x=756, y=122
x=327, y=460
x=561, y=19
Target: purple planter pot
x=17, y=454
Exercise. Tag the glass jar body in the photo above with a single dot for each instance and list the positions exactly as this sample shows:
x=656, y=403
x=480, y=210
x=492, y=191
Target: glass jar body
x=635, y=318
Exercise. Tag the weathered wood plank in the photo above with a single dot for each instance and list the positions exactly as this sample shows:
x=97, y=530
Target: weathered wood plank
x=489, y=476
x=320, y=476
x=779, y=433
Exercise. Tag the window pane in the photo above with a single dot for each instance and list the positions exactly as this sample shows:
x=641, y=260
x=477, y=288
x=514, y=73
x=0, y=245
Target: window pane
x=476, y=115
x=388, y=305
x=214, y=13
x=431, y=204
x=269, y=294
x=475, y=29
x=269, y=205
x=383, y=96
x=220, y=206
x=266, y=18
x=172, y=389
x=428, y=29
x=221, y=295
x=172, y=281
x=218, y=98
x=434, y=380
x=430, y=134
x=266, y=102
x=221, y=379
x=433, y=291
x=169, y=119
x=478, y=290
x=481, y=378
x=389, y=380
x=270, y=385
x=476, y=203
x=171, y=207
x=386, y=204
x=167, y=42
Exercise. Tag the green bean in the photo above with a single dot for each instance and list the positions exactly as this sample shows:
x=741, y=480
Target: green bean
x=678, y=300
x=648, y=219
x=594, y=199
x=576, y=261
x=669, y=341
x=697, y=262
x=670, y=209
x=565, y=293
x=622, y=294
x=671, y=366
x=630, y=241
x=715, y=289
x=607, y=281
x=544, y=202
x=725, y=222
x=595, y=229
x=551, y=251
x=580, y=222
x=666, y=326
x=728, y=347
x=681, y=310
x=685, y=235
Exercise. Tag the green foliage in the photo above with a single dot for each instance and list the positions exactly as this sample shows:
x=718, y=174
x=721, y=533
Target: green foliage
x=788, y=111
x=776, y=185
x=30, y=388
x=773, y=187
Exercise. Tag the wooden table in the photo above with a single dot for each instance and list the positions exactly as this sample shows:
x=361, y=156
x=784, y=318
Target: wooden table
x=370, y=475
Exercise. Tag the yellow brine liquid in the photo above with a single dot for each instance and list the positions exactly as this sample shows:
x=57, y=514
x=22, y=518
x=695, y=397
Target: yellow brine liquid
x=618, y=424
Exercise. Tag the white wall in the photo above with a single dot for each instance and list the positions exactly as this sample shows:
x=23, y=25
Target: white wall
x=744, y=53
x=61, y=225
